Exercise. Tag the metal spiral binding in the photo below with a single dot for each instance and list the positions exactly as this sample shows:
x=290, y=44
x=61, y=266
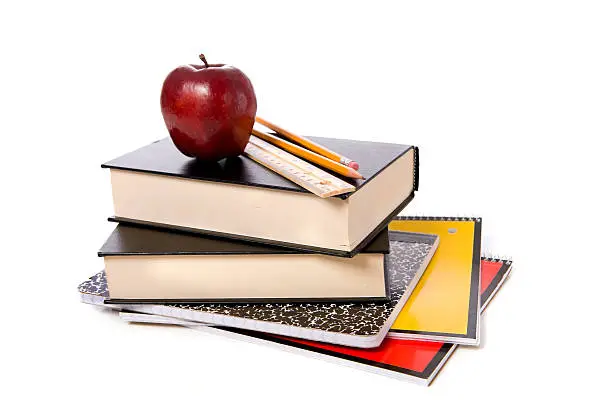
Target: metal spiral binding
x=496, y=259
x=415, y=169
x=442, y=218
x=485, y=256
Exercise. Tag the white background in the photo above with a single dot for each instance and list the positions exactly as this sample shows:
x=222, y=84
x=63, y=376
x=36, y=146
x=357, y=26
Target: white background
x=510, y=103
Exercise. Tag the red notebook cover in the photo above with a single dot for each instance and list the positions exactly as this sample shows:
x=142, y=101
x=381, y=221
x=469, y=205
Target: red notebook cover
x=413, y=360
x=409, y=359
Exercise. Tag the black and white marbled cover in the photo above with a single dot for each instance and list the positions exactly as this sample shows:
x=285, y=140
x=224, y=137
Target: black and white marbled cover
x=352, y=324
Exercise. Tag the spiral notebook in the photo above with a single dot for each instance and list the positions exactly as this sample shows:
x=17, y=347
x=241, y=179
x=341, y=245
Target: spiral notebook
x=445, y=303
x=411, y=360
x=361, y=325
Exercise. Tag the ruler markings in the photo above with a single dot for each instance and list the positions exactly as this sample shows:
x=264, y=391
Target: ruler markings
x=295, y=169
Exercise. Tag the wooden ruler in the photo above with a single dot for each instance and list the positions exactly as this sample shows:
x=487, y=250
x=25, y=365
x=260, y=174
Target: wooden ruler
x=295, y=169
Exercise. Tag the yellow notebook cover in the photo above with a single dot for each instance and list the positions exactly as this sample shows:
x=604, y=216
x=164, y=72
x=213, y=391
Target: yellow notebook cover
x=444, y=304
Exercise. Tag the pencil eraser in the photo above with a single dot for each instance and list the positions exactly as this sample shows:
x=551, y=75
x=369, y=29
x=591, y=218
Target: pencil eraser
x=354, y=165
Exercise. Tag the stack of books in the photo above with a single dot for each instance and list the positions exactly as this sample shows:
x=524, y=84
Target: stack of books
x=233, y=247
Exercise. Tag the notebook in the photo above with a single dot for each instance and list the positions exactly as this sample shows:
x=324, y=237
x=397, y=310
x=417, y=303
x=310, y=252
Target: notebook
x=157, y=185
x=411, y=360
x=361, y=325
x=444, y=305
x=151, y=265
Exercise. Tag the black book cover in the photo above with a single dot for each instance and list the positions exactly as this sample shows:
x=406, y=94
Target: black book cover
x=135, y=240
x=161, y=157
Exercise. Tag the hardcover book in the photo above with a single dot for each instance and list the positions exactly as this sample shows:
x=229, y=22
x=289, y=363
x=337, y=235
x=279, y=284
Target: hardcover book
x=363, y=324
x=157, y=185
x=145, y=264
x=411, y=360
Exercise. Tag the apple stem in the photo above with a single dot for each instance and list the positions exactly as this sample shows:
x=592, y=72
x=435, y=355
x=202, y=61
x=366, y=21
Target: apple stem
x=203, y=58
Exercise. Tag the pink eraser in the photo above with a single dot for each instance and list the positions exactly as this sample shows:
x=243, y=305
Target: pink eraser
x=354, y=165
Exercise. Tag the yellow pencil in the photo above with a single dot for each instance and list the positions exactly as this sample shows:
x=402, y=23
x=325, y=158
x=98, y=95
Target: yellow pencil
x=308, y=155
x=310, y=145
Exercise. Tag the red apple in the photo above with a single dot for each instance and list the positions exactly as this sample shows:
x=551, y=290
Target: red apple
x=209, y=110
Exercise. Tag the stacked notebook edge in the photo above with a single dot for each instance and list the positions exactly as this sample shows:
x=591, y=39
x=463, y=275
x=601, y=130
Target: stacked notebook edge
x=350, y=324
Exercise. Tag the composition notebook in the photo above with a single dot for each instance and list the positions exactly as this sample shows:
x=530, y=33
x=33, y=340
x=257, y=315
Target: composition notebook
x=411, y=360
x=145, y=264
x=444, y=305
x=239, y=198
x=363, y=324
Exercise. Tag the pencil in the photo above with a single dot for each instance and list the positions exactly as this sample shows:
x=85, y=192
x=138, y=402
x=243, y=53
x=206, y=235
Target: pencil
x=310, y=145
x=308, y=155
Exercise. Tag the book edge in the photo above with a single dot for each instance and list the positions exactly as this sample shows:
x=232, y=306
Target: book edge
x=108, y=165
